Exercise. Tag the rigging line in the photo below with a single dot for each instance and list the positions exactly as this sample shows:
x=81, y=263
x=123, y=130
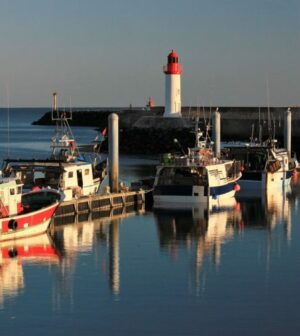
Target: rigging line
x=268, y=104
x=259, y=127
x=204, y=115
x=8, y=122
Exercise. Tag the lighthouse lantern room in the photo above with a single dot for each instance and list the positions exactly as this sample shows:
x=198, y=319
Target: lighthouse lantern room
x=173, y=71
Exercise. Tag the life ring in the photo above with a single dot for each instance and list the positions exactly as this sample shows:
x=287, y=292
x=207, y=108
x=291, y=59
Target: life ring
x=12, y=224
x=12, y=253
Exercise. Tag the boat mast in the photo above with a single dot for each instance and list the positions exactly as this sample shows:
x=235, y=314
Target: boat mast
x=259, y=128
x=63, y=142
x=269, y=113
x=8, y=122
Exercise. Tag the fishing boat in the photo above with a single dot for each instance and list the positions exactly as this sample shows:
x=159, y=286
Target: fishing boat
x=28, y=214
x=195, y=177
x=264, y=166
x=67, y=169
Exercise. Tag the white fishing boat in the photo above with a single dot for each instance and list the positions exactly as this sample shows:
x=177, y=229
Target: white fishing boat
x=23, y=215
x=264, y=166
x=195, y=177
x=67, y=169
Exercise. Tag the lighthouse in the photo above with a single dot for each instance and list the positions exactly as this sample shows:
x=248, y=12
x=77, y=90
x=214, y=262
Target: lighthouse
x=173, y=71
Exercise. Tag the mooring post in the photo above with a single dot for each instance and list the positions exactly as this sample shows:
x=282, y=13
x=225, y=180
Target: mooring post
x=288, y=131
x=113, y=152
x=217, y=132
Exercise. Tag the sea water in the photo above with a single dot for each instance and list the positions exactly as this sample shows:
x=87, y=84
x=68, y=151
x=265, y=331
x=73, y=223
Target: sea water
x=226, y=270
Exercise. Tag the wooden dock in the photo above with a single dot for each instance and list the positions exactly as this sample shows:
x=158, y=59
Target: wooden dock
x=96, y=203
x=104, y=216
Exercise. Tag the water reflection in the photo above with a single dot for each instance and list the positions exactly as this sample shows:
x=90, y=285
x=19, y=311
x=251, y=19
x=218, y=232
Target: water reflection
x=267, y=211
x=62, y=249
x=81, y=235
x=198, y=229
x=14, y=255
x=203, y=232
x=199, y=234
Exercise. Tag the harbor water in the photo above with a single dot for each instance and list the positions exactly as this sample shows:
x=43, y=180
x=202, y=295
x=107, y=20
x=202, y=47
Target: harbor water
x=195, y=271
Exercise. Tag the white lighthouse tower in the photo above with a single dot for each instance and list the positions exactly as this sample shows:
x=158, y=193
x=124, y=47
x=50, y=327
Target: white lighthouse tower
x=173, y=70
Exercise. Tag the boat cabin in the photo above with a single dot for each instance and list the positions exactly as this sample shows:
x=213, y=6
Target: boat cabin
x=261, y=158
x=74, y=179
x=252, y=158
x=10, y=197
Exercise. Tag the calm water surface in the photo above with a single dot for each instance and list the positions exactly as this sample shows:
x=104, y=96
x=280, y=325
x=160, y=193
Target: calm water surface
x=221, y=271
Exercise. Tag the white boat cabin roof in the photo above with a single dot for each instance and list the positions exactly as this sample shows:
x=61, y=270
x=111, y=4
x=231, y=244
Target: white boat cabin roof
x=9, y=182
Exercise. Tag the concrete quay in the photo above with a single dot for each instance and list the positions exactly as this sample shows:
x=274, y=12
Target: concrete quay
x=146, y=131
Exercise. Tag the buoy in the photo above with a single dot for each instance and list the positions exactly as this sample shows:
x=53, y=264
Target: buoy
x=295, y=176
x=236, y=187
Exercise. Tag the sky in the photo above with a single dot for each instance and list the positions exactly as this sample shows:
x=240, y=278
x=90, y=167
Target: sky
x=109, y=53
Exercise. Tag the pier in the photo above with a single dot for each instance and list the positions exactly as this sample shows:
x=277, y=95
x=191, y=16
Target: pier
x=146, y=131
x=94, y=203
x=115, y=196
x=102, y=214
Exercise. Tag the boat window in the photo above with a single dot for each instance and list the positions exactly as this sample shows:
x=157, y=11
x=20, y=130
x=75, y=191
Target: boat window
x=70, y=174
x=86, y=172
x=12, y=191
x=19, y=190
x=52, y=178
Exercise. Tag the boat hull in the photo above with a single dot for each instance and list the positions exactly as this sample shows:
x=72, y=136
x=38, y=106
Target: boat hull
x=263, y=182
x=28, y=224
x=193, y=195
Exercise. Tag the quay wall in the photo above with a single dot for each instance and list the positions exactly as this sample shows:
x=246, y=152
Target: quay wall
x=145, y=131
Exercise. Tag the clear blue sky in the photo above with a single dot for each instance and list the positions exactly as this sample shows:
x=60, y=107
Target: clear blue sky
x=111, y=53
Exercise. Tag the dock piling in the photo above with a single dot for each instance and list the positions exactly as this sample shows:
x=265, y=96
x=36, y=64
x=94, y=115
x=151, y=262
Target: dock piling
x=217, y=132
x=113, y=149
x=288, y=131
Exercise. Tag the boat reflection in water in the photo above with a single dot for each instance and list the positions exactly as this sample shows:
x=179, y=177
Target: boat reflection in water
x=199, y=230
x=269, y=210
x=72, y=237
x=79, y=234
x=203, y=232
x=207, y=228
x=15, y=254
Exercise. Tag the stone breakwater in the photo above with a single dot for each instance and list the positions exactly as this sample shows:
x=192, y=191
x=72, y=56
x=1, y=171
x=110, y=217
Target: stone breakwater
x=144, y=131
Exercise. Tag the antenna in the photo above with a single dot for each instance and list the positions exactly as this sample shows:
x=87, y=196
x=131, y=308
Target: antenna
x=58, y=115
x=252, y=134
x=274, y=127
x=259, y=128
